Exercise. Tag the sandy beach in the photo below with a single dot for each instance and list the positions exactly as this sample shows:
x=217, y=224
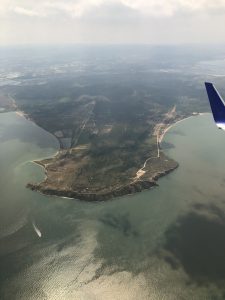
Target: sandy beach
x=21, y=113
x=169, y=127
x=175, y=123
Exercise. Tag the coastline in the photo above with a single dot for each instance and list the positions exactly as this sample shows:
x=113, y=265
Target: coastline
x=147, y=182
x=159, y=138
x=22, y=114
x=171, y=126
x=129, y=189
x=177, y=122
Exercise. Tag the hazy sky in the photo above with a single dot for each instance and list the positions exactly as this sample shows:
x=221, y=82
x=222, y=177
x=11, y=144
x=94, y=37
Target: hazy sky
x=112, y=21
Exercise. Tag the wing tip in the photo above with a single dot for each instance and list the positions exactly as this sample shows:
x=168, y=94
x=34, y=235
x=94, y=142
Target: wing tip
x=208, y=84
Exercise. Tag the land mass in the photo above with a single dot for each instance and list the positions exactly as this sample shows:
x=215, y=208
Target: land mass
x=109, y=130
x=97, y=174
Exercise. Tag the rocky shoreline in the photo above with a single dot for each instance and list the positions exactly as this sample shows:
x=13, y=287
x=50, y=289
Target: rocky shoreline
x=132, y=188
x=160, y=166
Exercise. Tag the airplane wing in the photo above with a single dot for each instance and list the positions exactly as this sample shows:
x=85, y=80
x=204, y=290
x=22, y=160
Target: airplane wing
x=217, y=105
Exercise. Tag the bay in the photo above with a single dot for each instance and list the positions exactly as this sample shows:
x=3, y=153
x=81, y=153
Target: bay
x=166, y=243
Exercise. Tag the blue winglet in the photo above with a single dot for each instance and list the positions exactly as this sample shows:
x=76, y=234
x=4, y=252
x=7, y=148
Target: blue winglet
x=217, y=104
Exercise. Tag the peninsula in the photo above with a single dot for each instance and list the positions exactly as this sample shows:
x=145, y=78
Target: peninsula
x=117, y=161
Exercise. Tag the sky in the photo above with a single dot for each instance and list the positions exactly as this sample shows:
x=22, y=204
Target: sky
x=112, y=21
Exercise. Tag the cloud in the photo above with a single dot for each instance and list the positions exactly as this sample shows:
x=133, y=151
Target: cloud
x=171, y=7
x=27, y=12
x=78, y=8
x=112, y=21
x=73, y=8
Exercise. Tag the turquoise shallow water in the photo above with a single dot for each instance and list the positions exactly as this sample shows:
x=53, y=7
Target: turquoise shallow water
x=166, y=243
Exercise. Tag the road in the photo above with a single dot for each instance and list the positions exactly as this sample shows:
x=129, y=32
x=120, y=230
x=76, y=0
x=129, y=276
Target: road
x=159, y=132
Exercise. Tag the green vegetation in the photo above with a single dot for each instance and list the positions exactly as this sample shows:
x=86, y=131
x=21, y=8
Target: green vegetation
x=107, y=110
x=109, y=141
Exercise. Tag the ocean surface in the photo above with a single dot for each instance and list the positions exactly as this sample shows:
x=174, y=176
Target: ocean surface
x=166, y=243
